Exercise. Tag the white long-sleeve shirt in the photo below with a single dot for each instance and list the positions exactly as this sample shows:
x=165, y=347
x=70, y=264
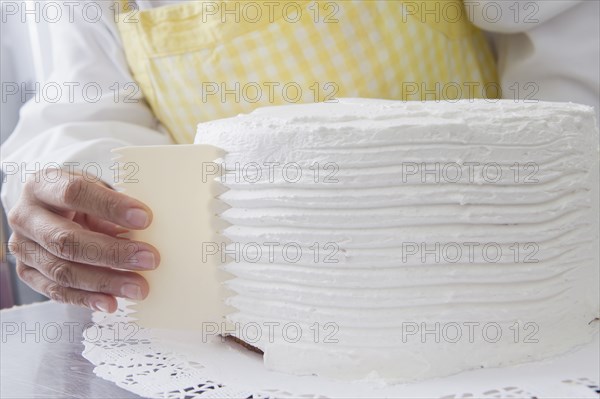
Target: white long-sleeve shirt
x=559, y=54
x=87, y=107
x=547, y=50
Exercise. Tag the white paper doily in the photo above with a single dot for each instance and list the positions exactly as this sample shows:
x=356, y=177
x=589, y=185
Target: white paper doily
x=152, y=364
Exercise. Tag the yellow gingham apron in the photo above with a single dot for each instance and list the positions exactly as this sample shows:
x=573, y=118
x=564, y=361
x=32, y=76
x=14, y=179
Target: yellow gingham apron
x=195, y=62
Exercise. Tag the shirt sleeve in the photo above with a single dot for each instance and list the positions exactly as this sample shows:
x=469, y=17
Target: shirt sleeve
x=89, y=105
x=514, y=16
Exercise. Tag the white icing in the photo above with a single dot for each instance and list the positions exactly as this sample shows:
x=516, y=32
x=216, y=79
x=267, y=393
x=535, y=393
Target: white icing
x=371, y=288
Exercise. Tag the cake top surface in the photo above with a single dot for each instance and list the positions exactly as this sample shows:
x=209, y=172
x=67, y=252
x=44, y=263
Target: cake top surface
x=346, y=109
x=358, y=121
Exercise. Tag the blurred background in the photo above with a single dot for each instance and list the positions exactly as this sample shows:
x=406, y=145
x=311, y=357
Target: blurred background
x=24, y=55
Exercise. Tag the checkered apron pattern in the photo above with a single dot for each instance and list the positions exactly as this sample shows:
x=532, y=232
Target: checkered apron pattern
x=201, y=60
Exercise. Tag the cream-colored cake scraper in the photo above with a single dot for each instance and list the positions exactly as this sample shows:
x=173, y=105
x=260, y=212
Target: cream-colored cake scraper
x=178, y=183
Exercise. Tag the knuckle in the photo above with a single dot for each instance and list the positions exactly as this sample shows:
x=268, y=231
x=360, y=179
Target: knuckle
x=74, y=190
x=56, y=293
x=14, y=245
x=22, y=271
x=110, y=202
x=79, y=300
x=30, y=184
x=14, y=217
x=62, y=273
x=61, y=294
x=110, y=254
x=64, y=243
x=104, y=283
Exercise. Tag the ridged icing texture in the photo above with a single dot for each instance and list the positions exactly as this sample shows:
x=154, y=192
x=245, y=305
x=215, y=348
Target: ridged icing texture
x=523, y=214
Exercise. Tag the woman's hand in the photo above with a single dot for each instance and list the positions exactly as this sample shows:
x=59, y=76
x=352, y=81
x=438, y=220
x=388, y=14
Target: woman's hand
x=66, y=245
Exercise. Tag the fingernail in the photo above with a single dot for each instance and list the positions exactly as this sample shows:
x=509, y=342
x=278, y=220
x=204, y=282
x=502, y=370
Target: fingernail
x=144, y=260
x=101, y=306
x=131, y=291
x=137, y=217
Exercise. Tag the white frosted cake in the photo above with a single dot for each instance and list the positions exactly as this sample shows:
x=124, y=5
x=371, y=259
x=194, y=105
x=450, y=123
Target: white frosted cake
x=403, y=241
